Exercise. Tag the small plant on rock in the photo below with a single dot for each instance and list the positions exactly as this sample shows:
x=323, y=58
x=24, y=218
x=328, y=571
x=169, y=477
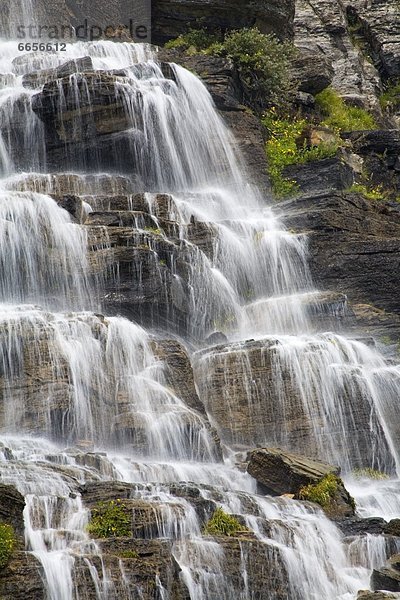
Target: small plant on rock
x=7, y=543
x=221, y=523
x=110, y=519
x=321, y=493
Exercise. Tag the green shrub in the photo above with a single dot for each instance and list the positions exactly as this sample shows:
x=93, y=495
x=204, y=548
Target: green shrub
x=338, y=115
x=321, y=493
x=282, y=150
x=261, y=59
x=263, y=64
x=369, y=473
x=223, y=524
x=7, y=543
x=110, y=519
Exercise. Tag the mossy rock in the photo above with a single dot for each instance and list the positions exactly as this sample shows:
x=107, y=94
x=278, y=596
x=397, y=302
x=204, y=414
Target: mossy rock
x=331, y=495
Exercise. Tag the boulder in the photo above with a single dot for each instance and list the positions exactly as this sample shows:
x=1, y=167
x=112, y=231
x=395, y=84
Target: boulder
x=281, y=472
x=393, y=527
x=388, y=577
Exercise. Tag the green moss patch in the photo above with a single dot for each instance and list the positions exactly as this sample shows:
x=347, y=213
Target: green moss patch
x=339, y=116
x=110, y=519
x=221, y=523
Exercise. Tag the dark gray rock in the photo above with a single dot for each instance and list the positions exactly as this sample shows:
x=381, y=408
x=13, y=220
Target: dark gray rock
x=387, y=578
x=172, y=17
x=282, y=472
x=354, y=245
x=321, y=175
x=311, y=70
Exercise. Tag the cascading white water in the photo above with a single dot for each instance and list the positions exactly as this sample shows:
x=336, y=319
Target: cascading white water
x=100, y=380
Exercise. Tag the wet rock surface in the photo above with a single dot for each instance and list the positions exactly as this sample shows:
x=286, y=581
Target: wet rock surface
x=387, y=578
x=354, y=245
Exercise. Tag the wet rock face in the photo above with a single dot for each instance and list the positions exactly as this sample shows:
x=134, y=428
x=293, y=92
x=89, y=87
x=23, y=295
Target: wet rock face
x=264, y=564
x=281, y=472
x=171, y=17
x=12, y=504
x=22, y=579
x=252, y=394
x=354, y=245
x=378, y=23
x=387, y=578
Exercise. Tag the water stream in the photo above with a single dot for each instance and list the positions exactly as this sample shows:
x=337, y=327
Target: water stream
x=72, y=378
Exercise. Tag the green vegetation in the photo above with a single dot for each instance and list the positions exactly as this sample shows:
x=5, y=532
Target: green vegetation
x=369, y=473
x=261, y=60
x=321, y=493
x=369, y=192
x=154, y=230
x=110, y=519
x=194, y=41
x=341, y=117
x=128, y=554
x=7, y=543
x=283, y=149
x=390, y=99
x=223, y=524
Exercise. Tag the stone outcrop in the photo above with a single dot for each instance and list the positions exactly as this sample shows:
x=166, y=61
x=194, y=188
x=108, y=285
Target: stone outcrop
x=171, y=17
x=12, y=505
x=392, y=527
x=323, y=25
x=22, y=578
x=366, y=595
x=281, y=472
x=354, y=245
x=388, y=577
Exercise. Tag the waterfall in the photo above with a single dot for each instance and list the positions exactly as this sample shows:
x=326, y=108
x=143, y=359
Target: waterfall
x=90, y=400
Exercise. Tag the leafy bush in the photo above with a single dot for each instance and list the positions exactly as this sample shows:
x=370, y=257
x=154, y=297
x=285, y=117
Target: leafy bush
x=369, y=473
x=262, y=62
x=321, y=493
x=282, y=150
x=261, y=59
x=7, y=543
x=341, y=117
x=110, y=519
x=223, y=524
